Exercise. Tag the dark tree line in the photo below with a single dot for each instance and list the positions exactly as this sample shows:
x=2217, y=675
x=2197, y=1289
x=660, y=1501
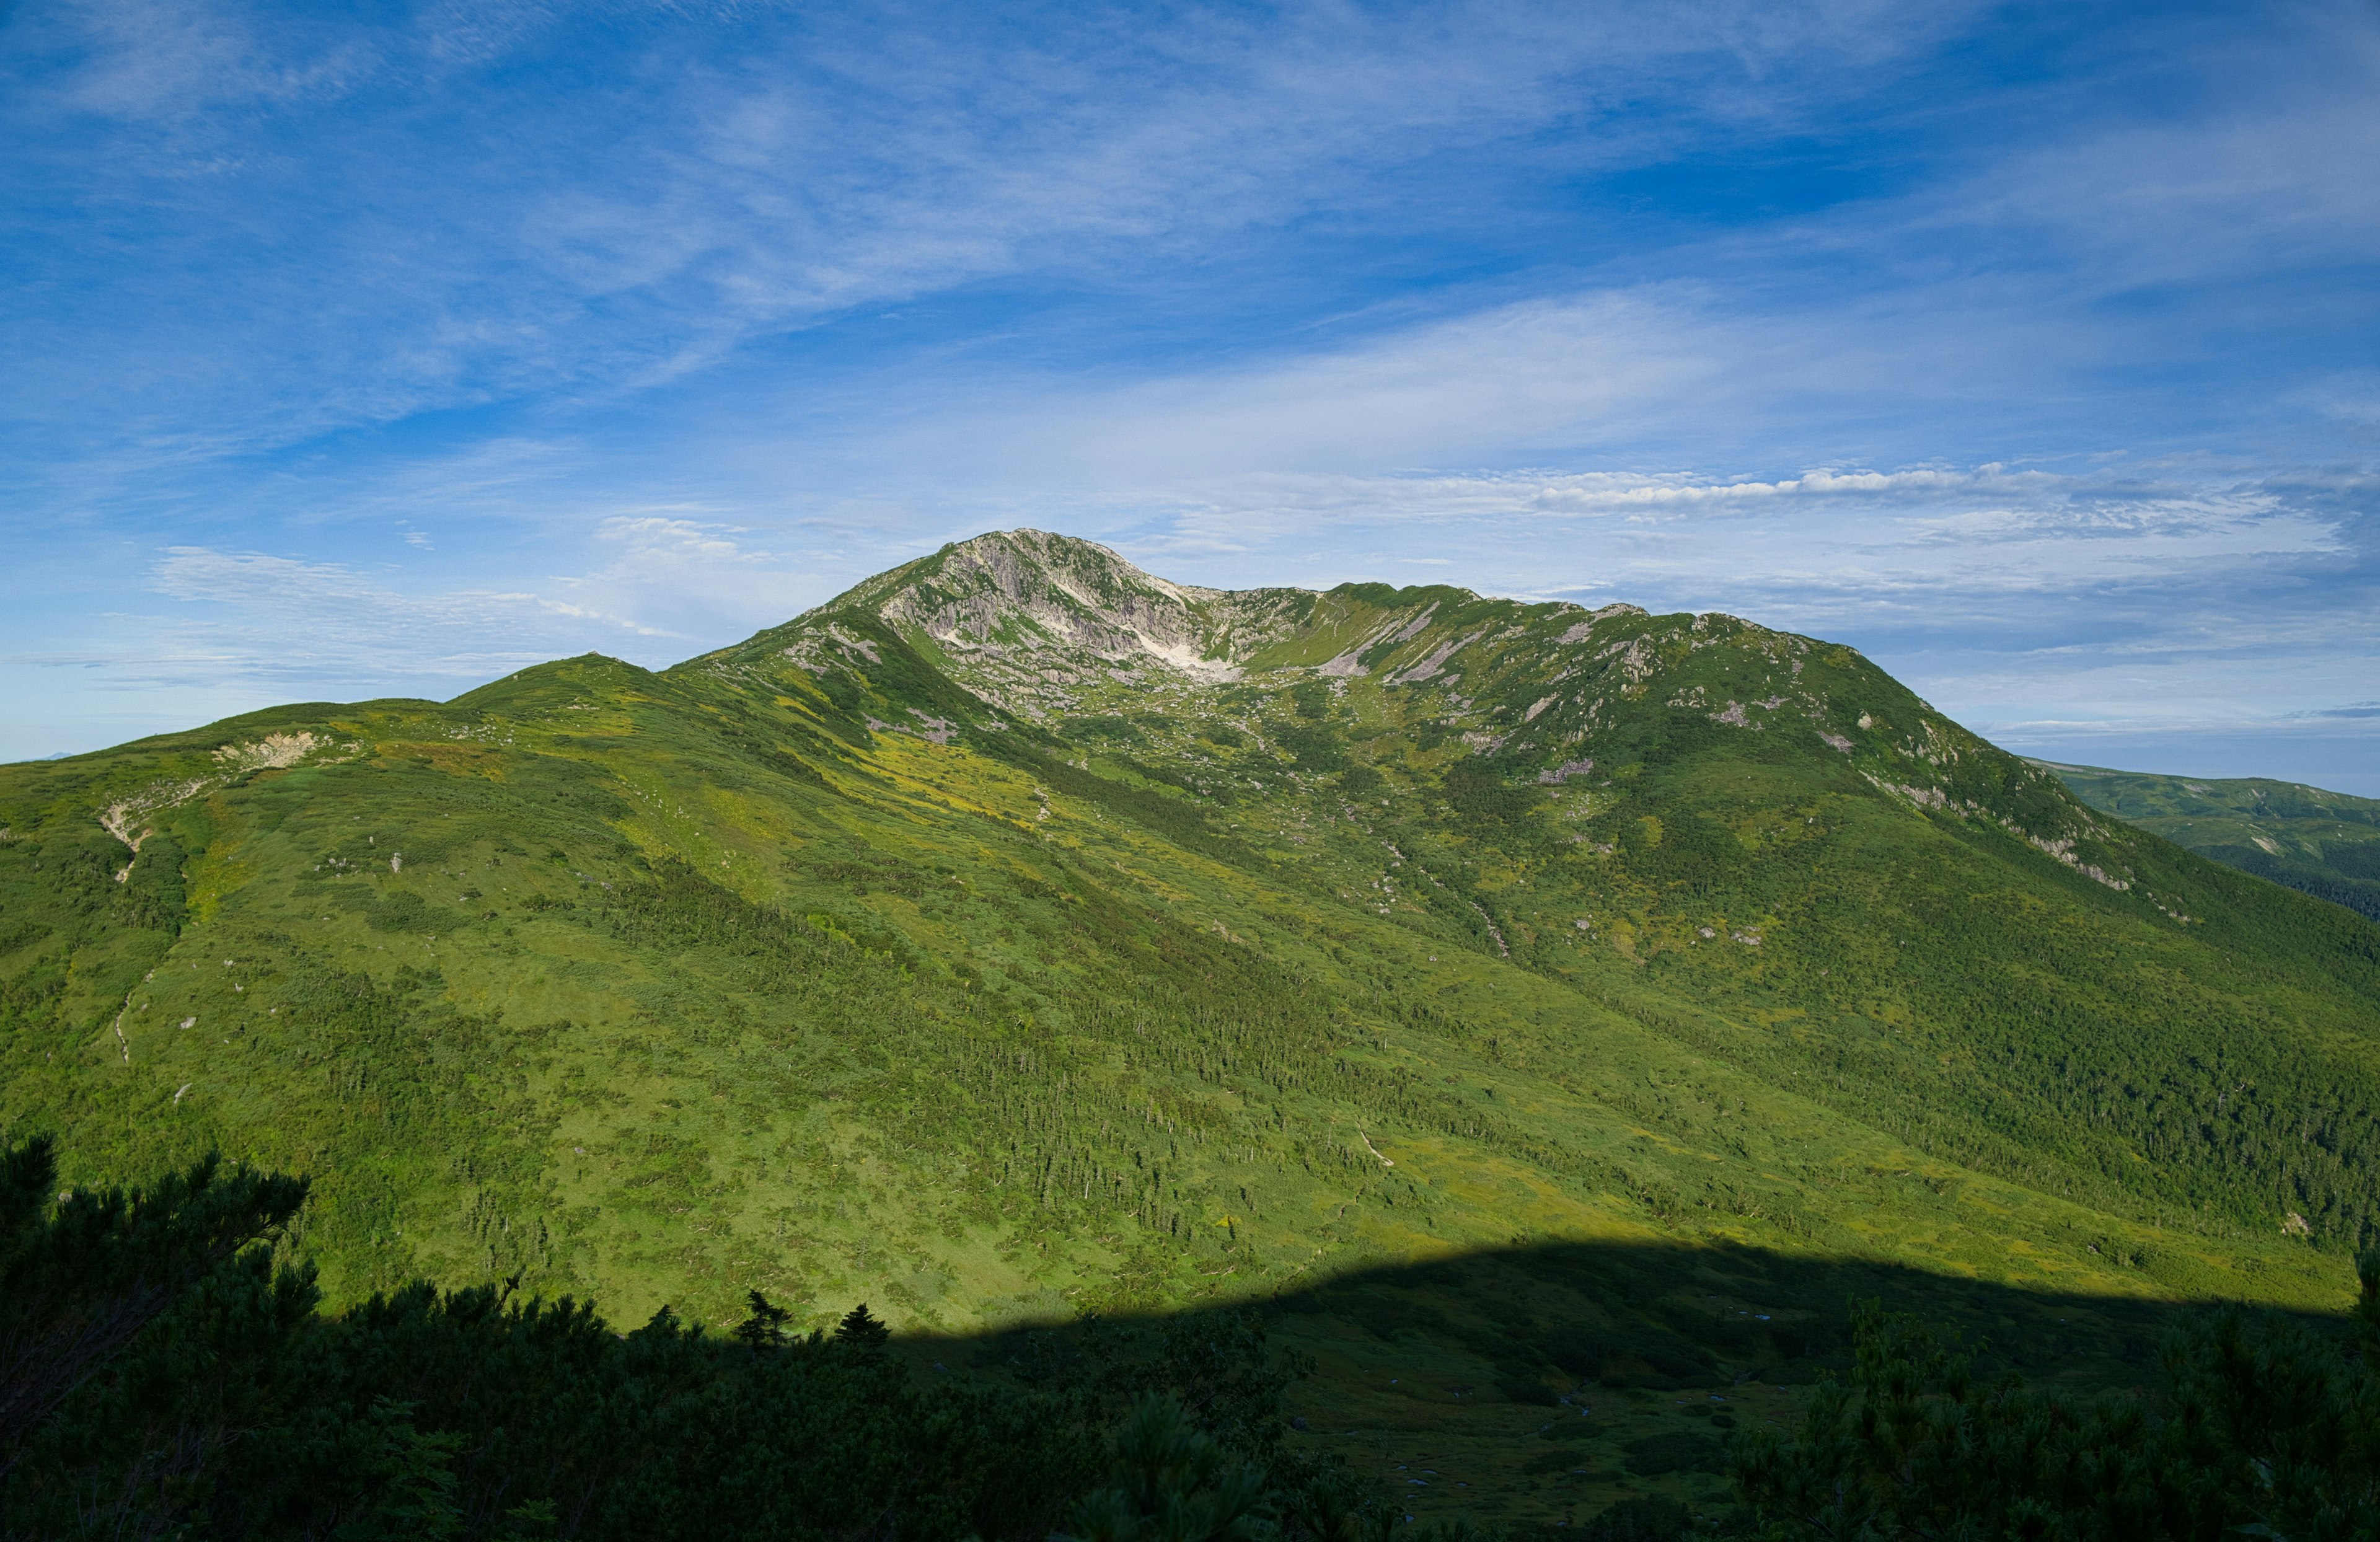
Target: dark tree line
x=2262, y=1428
x=164, y=1374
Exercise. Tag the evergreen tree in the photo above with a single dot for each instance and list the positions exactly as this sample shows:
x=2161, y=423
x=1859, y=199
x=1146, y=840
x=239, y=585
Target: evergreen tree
x=861, y=1332
x=1171, y=1484
x=81, y=1278
x=765, y=1328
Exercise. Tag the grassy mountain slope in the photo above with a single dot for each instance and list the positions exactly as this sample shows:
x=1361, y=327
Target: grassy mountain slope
x=1020, y=935
x=2326, y=844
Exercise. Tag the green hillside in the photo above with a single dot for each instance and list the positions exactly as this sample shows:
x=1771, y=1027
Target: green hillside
x=1021, y=937
x=2326, y=844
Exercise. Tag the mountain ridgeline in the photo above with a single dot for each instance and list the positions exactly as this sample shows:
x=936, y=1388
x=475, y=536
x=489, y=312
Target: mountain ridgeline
x=1020, y=936
x=2327, y=843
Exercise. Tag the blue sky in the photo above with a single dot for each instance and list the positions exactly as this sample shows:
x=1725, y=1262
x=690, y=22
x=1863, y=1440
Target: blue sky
x=380, y=349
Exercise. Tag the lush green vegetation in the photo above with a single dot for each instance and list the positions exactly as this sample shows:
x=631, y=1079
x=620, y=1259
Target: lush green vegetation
x=2326, y=844
x=1017, y=939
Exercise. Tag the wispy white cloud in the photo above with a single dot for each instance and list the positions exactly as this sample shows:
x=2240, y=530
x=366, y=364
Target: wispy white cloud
x=276, y=618
x=654, y=535
x=156, y=62
x=271, y=618
x=853, y=160
x=1969, y=536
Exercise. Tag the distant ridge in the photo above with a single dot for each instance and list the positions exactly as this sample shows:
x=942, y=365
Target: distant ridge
x=2325, y=843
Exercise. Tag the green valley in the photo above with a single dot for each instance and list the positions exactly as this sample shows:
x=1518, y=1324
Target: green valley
x=1526, y=999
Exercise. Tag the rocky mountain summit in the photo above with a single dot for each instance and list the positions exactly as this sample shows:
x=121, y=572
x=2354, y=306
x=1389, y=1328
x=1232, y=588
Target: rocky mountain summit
x=1046, y=627
x=1024, y=619
x=1028, y=590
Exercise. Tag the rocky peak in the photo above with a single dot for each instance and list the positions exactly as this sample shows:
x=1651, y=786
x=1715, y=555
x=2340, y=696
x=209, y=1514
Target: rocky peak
x=1017, y=606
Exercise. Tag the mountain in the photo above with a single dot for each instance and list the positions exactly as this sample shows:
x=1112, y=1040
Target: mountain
x=2326, y=844
x=1020, y=935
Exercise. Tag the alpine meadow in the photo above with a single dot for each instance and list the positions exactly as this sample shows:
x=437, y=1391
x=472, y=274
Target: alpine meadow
x=1489, y=1048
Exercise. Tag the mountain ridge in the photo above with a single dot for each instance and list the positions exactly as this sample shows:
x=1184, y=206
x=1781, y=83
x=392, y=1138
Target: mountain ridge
x=2321, y=842
x=1391, y=921
x=1360, y=627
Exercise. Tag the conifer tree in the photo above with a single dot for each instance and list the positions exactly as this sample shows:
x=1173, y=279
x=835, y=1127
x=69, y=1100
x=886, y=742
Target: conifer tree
x=863, y=1333
x=765, y=1328
x=79, y=1280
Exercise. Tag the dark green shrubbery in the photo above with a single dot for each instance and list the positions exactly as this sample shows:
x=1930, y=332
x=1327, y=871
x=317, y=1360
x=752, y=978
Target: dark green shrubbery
x=161, y=1376
x=2263, y=1428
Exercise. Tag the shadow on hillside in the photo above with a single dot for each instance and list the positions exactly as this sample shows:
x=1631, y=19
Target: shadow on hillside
x=1539, y=1385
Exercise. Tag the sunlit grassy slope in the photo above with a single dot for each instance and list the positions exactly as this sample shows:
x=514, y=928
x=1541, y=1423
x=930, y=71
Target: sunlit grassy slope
x=1021, y=935
x=2326, y=844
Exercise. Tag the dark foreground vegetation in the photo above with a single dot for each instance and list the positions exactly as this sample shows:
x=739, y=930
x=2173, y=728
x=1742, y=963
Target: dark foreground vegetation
x=165, y=1372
